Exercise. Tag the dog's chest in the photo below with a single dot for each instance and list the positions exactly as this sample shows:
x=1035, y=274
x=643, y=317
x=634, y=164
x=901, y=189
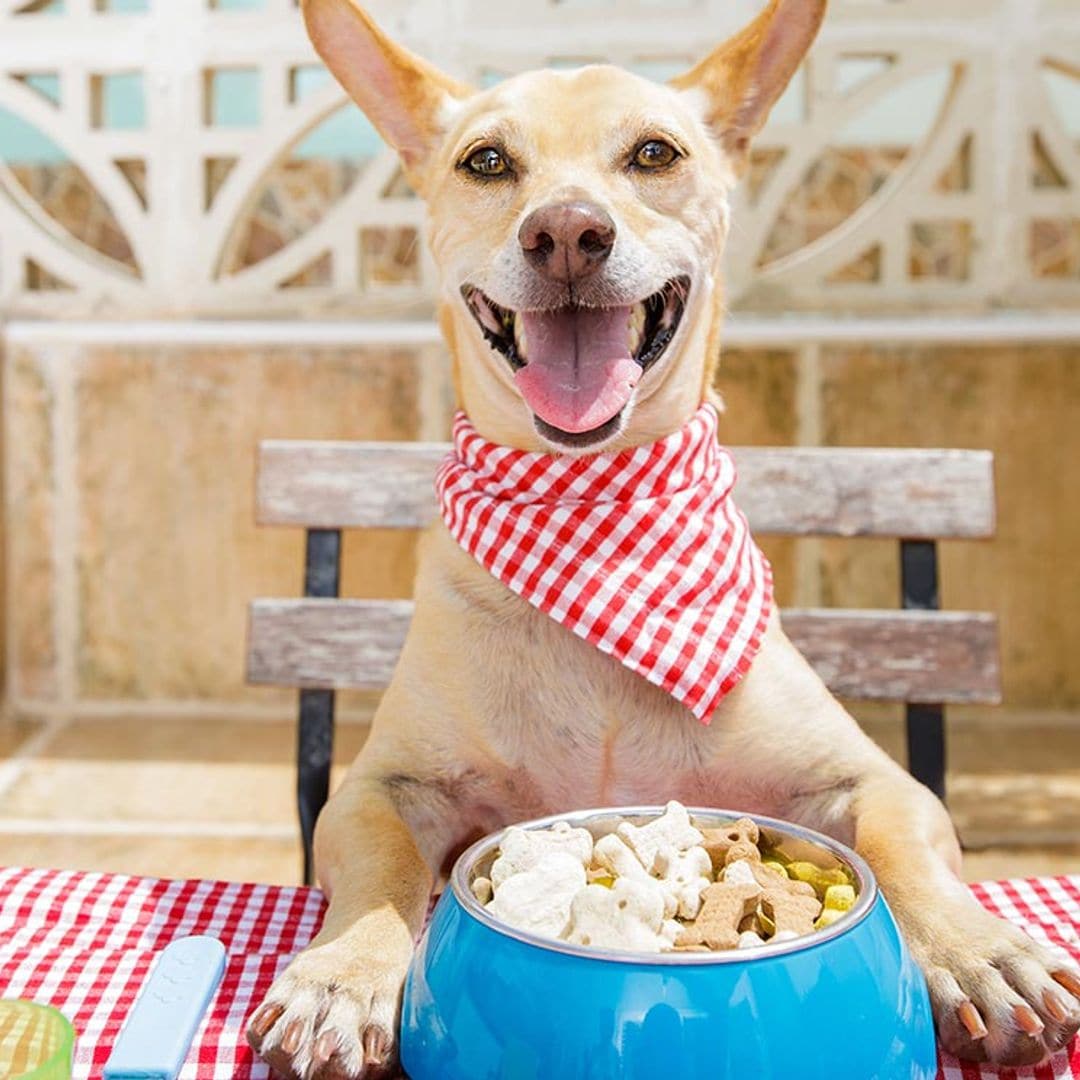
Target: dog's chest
x=582, y=728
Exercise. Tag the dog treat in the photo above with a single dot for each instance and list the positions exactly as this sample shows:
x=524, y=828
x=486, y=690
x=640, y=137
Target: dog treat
x=612, y=853
x=723, y=907
x=482, y=889
x=539, y=899
x=662, y=886
x=719, y=841
x=672, y=829
x=686, y=875
x=616, y=859
x=816, y=876
x=521, y=849
x=629, y=915
x=748, y=939
x=788, y=910
x=740, y=872
x=839, y=898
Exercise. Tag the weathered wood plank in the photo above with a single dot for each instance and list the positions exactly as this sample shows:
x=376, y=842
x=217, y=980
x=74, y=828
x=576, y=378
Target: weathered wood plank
x=918, y=656
x=783, y=491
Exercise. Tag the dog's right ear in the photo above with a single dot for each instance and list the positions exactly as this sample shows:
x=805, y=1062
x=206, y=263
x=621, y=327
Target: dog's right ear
x=742, y=79
x=405, y=97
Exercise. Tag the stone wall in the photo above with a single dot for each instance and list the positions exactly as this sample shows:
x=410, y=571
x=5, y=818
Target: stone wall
x=132, y=550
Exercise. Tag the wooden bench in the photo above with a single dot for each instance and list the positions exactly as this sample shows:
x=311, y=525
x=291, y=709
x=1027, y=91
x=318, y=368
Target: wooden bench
x=918, y=655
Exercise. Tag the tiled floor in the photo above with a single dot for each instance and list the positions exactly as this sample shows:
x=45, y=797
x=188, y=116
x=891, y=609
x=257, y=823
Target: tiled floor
x=214, y=798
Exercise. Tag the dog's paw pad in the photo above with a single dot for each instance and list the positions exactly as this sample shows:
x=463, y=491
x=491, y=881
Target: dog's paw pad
x=1000, y=996
x=315, y=1028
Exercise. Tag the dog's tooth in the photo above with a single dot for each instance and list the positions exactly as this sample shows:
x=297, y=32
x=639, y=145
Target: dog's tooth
x=519, y=336
x=635, y=330
x=487, y=316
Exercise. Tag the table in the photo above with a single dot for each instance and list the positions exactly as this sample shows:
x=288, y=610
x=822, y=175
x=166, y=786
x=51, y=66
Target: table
x=85, y=943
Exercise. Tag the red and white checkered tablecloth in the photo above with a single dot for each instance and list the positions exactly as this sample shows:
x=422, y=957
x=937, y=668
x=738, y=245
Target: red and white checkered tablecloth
x=85, y=943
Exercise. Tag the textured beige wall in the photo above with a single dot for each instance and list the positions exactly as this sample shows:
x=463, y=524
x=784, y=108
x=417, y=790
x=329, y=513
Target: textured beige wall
x=130, y=522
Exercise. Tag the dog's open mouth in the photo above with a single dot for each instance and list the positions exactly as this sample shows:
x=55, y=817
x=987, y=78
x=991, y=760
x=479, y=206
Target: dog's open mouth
x=577, y=367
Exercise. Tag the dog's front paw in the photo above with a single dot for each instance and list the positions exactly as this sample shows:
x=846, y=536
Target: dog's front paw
x=997, y=994
x=331, y=1016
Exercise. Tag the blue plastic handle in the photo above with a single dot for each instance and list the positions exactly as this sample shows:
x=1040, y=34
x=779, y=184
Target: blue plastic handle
x=157, y=1034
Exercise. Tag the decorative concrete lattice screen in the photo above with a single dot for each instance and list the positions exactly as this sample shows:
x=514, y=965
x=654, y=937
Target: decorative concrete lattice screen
x=179, y=157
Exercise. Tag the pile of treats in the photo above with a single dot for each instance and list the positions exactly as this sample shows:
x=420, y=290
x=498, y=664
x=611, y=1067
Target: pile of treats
x=666, y=885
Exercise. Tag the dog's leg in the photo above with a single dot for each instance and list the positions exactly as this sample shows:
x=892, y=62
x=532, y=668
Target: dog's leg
x=998, y=994
x=333, y=1013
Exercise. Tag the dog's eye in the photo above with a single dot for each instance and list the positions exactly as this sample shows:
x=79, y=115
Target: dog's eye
x=487, y=162
x=655, y=154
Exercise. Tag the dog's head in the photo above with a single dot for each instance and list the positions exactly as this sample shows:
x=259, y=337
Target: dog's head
x=577, y=219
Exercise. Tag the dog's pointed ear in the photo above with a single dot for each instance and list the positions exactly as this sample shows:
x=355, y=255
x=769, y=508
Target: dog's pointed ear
x=744, y=77
x=405, y=97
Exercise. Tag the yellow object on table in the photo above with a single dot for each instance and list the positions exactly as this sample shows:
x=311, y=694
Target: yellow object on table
x=36, y=1042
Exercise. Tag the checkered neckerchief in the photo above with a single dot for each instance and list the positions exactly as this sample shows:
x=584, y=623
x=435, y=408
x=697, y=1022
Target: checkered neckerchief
x=642, y=552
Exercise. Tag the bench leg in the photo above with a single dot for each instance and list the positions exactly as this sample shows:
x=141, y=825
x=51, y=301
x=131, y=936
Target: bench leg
x=925, y=722
x=315, y=732
x=314, y=754
x=926, y=746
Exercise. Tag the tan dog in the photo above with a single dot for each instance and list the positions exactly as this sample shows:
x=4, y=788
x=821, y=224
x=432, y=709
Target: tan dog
x=558, y=192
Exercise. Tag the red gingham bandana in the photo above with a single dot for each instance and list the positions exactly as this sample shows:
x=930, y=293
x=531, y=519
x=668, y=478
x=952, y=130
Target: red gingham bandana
x=642, y=552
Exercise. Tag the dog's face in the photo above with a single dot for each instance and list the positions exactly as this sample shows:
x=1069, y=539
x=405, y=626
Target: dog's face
x=577, y=219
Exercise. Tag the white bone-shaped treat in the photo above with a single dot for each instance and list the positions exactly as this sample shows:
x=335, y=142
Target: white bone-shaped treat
x=614, y=856
x=629, y=915
x=749, y=940
x=612, y=853
x=671, y=829
x=685, y=874
x=539, y=899
x=670, y=929
x=740, y=873
x=522, y=849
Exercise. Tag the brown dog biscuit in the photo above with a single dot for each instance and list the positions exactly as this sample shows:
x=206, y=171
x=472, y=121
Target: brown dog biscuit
x=768, y=878
x=719, y=841
x=789, y=911
x=723, y=908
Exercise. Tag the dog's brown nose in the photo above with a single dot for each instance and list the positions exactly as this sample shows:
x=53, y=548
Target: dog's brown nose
x=567, y=241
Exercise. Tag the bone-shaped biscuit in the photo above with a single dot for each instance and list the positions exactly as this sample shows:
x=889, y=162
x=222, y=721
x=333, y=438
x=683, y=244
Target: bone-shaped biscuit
x=749, y=939
x=522, y=849
x=629, y=915
x=745, y=865
x=718, y=842
x=671, y=829
x=482, y=889
x=789, y=910
x=723, y=907
x=612, y=853
x=616, y=859
x=539, y=899
x=685, y=875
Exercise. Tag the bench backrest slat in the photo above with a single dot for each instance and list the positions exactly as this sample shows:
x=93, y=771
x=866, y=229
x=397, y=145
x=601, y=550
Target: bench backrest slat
x=916, y=494
x=914, y=656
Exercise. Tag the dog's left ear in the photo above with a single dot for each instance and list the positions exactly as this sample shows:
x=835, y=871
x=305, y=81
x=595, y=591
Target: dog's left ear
x=743, y=78
x=405, y=97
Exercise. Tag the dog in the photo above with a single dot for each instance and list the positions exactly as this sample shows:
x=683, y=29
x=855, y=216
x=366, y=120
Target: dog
x=559, y=192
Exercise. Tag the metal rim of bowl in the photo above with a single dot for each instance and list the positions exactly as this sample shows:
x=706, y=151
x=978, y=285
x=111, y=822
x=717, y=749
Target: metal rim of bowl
x=867, y=892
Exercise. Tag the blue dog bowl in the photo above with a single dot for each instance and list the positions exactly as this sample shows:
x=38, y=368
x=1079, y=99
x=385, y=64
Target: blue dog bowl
x=484, y=1000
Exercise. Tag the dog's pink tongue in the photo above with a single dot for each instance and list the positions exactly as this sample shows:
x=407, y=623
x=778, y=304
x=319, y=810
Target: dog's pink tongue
x=579, y=371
